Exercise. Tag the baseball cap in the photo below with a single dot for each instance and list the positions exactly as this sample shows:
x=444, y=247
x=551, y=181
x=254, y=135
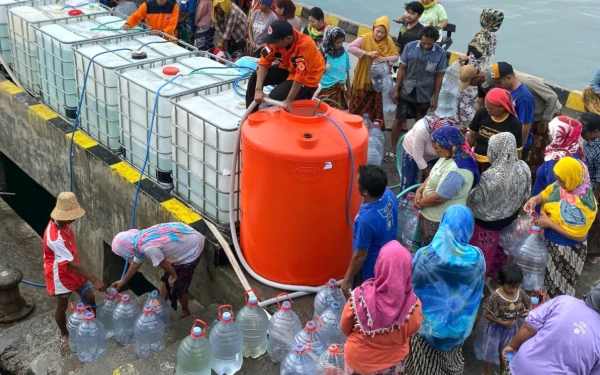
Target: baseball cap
x=498, y=70
x=590, y=121
x=278, y=30
x=466, y=74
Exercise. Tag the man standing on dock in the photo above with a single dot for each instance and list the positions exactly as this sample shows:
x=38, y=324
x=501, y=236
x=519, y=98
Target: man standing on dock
x=64, y=275
x=301, y=66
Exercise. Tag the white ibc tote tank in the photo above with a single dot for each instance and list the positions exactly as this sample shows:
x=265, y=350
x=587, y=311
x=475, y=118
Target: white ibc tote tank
x=137, y=91
x=99, y=116
x=204, y=130
x=21, y=22
x=55, y=55
x=4, y=40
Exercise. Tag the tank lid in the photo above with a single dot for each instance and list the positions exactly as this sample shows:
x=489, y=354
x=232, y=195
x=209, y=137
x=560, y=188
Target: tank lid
x=334, y=349
x=170, y=70
x=535, y=300
x=125, y=298
x=252, y=300
x=226, y=316
x=197, y=332
x=88, y=316
x=332, y=283
x=535, y=229
x=139, y=55
x=299, y=348
x=111, y=294
x=410, y=196
x=286, y=305
x=80, y=306
x=311, y=326
x=75, y=12
x=335, y=305
x=148, y=309
x=154, y=293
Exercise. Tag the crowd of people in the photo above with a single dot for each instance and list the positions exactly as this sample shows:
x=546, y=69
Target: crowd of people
x=507, y=151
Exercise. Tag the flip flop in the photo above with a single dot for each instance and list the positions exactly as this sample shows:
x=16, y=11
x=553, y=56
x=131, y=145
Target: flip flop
x=389, y=157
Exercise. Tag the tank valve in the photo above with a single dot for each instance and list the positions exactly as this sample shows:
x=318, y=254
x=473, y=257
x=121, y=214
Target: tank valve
x=13, y=307
x=139, y=55
x=307, y=135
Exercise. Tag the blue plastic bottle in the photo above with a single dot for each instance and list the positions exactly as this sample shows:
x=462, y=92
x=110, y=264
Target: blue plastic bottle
x=331, y=292
x=161, y=307
x=105, y=312
x=331, y=331
x=298, y=362
x=91, y=338
x=124, y=317
x=376, y=145
x=310, y=334
x=73, y=323
x=283, y=326
x=227, y=341
x=149, y=333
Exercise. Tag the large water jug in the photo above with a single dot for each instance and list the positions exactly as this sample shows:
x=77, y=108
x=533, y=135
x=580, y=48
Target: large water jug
x=73, y=323
x=310, y=334
x=227, y=341
x=298, y=362
x=195, y=353
x=124, y=317
x=512, y=237
x=331, y=332
x=367, y=122
x=105, y=312
x=149, y=333
x=283, y=326
x=254, y=323
x=450, y=86
x=406, y=211
x=409, y=232
x=376, y=144
x=91, y=338
x=332, y=361
x=331, y=292
x=532, y=257
x=161, y=307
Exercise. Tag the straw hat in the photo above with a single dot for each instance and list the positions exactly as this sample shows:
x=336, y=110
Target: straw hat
x=67, y=208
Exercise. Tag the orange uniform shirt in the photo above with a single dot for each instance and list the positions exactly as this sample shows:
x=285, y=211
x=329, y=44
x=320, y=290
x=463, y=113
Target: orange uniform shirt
x=302, y=59
x=161, y=18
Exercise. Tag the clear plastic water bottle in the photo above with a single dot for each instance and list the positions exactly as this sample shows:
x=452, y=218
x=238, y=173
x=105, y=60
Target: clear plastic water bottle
x=310, y=334
x=532, y=257
x=161, y=307
x=283, y=326
x=367, y=122
x=227, y=341
x=406, y=211
x=376, y=145
x=409, y=232
x=448, y=93
x=332, y=361
x=149, y=333
x=254, y=322
x=91, y=338
x=105, y=312
x=73, y=323
x=329, y=293
x=195, y=353
x=513, y=237
x=298, y=362
x=124, y=317
x=331, y=331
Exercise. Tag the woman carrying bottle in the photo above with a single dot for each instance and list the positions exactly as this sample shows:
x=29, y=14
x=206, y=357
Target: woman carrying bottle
x=448, y=280
x=449, y=181
x=375, y=47
x=381, y=316
x=568, y=211
x=497, y=199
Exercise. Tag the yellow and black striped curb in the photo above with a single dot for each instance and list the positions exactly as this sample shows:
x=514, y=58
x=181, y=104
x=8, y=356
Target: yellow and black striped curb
x=173, y=207
x=569, y=98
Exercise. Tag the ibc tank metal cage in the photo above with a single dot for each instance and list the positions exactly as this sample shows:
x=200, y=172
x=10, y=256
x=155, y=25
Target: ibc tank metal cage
x=23, y=37
x=56, y=60
x=4, y=39
x=99, y=116
x=202, y=154
x=159, y=165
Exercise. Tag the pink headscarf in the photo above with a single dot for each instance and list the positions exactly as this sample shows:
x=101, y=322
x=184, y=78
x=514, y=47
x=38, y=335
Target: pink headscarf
x=565, y=133
x=386, y=301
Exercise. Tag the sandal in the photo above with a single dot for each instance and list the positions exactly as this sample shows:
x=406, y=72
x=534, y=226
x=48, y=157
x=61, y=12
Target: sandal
x=592, y=260
x=389, y=157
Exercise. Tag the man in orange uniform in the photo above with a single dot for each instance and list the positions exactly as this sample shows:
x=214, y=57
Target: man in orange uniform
x=300, y=68
x=160, y=15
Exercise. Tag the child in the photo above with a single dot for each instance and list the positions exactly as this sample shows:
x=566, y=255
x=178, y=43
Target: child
x=502, y=309
x=316, y=25
x=336, y=80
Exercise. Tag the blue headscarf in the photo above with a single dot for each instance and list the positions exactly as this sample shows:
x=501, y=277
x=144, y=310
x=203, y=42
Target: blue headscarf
x=452, y=139
x=448, y=278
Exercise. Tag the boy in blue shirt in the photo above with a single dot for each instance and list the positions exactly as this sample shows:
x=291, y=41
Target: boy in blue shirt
x=502, y=75
x=375, y=225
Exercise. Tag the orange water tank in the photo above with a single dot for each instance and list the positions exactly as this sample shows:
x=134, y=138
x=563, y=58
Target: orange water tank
x=296, y=172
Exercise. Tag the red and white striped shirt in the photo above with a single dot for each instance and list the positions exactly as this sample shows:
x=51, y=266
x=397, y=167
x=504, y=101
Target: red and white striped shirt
x=59, y=250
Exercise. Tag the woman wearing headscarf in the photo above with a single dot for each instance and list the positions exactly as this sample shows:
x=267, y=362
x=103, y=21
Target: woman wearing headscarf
x=381, y=316
x=231, y=24
x=374, y=47
x=419, y=156
x=336, y=79
x=449, y=181
x=482, y=48
x=497, y=199
x=559, y=337
x=564, y=133
x=448, y=279
x=568, y=211
x=174, y=247
x=498, y=116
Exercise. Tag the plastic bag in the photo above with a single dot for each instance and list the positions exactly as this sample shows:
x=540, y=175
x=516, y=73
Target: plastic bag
x=513, y=236
x=381, y=80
